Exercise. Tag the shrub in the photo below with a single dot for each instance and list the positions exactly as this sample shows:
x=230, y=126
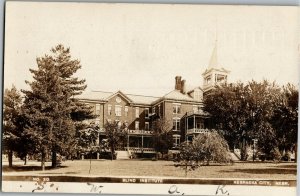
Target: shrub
x=205, y=147
x=276, y=155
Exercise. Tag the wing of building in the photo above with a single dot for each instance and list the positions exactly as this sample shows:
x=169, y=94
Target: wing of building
x=181, y=108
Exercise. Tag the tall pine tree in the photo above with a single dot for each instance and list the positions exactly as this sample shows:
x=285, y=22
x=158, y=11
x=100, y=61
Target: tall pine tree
x=11, y=110
x=50, y=106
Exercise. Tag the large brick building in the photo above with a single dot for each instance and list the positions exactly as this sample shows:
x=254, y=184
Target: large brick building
x=182, y=108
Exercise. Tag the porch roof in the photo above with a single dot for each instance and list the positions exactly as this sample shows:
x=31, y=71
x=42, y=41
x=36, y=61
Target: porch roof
x=201, y=113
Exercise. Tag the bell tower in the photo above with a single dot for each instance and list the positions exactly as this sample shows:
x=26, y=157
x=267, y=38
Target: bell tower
x=215, y=74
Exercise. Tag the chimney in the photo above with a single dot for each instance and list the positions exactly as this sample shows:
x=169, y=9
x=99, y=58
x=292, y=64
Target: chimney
x=183, y=88
x=178, y=83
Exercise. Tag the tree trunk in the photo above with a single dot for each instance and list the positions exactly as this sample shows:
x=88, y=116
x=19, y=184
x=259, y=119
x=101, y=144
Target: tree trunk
x=186, y=169
x=43, y=161
x=10, y=158
x=207, y=162
x=90, y=163
x=296, y=150
x=244, y=150
x=25, y=160
x=112, y=149
x=54, y=159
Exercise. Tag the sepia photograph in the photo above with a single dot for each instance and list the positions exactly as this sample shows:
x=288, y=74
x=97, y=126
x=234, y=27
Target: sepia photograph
x=157, y=99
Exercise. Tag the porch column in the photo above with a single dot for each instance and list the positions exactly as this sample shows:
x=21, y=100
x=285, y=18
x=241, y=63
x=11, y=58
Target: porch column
x=186, y=128
x=142, y=151
x=194, y=122
x=98, y=144
x=128, y=142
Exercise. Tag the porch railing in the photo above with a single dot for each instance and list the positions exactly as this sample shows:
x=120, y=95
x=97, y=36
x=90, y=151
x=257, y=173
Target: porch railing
x=140, y=132
x=133, y=132
x=140, y=150
x=202, y=113
x=196, y=130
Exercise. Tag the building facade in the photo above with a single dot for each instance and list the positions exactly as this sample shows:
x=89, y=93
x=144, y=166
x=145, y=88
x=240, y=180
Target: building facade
x=181, y=108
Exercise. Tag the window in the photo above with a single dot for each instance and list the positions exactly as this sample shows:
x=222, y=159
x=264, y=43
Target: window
x=208, y=80
x=197, y=109
x=137, y=112
x=200, y=125
x=137, y=125
x=119, y=123
x=147, y=113
x=176, y=108
x=109, y=109
x=176, y=140
x=97, y=109
x=126, y=124
x=159, y=110
x=153, y=110
x=147, y=126
x=126, y=110
x=220, y=78
x=118, y=110
x=176, y=124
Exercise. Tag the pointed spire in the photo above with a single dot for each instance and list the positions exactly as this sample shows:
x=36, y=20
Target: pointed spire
x=213, y=63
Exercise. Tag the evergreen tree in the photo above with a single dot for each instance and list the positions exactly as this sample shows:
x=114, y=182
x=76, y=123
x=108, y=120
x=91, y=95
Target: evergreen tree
x=11, y=134
x=50, y=105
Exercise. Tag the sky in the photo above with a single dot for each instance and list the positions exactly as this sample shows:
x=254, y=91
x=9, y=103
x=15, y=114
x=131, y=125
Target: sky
x=140, y=48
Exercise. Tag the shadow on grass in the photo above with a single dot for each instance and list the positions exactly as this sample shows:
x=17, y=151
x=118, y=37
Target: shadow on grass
x=263, y=171
x=287, y=166
x=210, y=165
x=27, y=168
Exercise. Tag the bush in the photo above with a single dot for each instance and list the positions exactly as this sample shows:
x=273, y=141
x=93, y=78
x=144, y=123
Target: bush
x=205, y=147
x=276, y=155
x=287, y=156
x=154, y=159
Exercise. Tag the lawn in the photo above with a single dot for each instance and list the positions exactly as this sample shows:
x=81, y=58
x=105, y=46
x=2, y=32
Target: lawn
x=249, y=170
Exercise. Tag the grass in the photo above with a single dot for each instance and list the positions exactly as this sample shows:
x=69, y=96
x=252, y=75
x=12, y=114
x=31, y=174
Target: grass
x=243, y=170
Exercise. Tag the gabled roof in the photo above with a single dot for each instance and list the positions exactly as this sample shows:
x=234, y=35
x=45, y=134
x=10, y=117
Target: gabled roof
x=105, y=96
x=141, y=99
x=95, y=95
x=177, y=95
x=122, y=95
x=221, y=70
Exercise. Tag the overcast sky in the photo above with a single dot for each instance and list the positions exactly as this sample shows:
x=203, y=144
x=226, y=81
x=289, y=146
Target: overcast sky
x=139, y=48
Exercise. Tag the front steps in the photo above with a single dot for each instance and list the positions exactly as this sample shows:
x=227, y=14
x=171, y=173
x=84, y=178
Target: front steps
x=122, y=155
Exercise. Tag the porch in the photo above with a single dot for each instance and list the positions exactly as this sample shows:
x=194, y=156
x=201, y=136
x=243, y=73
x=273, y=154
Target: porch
x=195, y=122
x=140, y=142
